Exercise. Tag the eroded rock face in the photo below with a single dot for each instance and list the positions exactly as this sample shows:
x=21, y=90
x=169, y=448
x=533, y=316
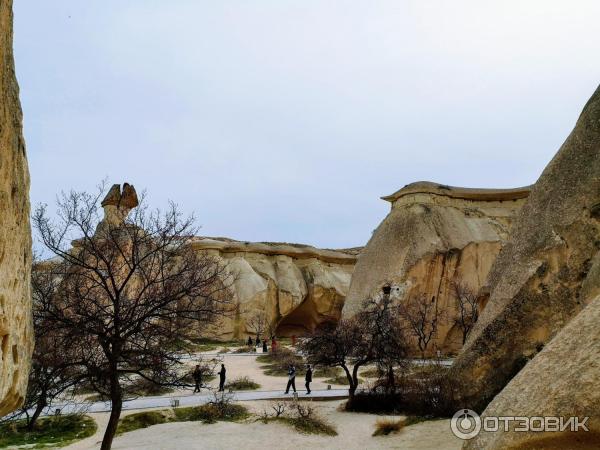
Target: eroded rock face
x=538, y=282
x=298, y=287
x=118, y=203
x=16, y=337
x=561, y=381
x=433, y=236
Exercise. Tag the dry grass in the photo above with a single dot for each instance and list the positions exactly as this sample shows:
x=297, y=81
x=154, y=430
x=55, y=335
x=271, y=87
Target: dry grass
x=383, y=427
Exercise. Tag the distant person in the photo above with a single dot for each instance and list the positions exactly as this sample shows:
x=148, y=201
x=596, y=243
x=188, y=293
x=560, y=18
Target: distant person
x=265, y=349
x=197, y=374
x=308, y=379
x=291, y=379
x=222, y=378
x=249, y=343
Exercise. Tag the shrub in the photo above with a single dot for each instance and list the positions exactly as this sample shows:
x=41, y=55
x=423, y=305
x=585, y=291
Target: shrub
x=299, y=415
x=383, y=427
x=242, y=384
x=313, y=425
x=428, y=391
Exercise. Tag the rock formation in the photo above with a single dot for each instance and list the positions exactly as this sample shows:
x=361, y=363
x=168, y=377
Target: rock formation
x=538, y=282
x=117, y=204
x=561, y=381
x=295, y=287
x=16, y=337
x=433, y=236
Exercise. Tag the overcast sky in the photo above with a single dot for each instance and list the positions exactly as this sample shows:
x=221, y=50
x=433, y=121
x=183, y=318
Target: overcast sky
x=287, y=120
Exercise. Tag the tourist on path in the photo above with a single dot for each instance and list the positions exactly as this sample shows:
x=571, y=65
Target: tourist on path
x=291, y=379
x=249, y=343
x=308, y=379
x=222, y=378
x=265, y=350
x=197, y=378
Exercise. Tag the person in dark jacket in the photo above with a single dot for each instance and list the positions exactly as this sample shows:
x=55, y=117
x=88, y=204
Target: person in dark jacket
x=249, y=343
x=197, y=374
x=291, y=379
x=222, y=378
x=265, y=350
x=308, y=379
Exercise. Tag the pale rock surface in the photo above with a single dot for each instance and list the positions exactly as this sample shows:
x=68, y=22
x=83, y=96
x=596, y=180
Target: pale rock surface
x=16, y=336
x=540, y=279
x=435, y=235
x=297, y=286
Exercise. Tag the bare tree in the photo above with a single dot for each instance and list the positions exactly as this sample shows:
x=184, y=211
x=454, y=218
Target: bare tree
x=131, y=287
x=373, y=336
x=257, y=323
x=467, y=309
x=422, y=317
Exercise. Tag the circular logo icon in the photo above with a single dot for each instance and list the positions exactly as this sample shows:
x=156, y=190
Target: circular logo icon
x=465, y=424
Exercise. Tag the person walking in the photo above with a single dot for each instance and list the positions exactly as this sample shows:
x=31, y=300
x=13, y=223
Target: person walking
x=265, y=349
x=308, y=379
x=249, y=342
x=197, y=374
x=222, y=378
x=291, y=379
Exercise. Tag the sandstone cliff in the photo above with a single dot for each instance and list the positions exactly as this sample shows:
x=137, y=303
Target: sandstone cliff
x=296, y=287
x=435, y=235
x=16, y=338
x=537, y=282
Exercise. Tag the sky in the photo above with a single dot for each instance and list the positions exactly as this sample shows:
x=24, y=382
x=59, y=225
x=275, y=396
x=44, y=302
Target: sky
x=287, y=120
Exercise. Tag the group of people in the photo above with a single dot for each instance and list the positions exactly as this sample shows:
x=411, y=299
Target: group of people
x=197, y=375
x=250, y=343
x=292, y=379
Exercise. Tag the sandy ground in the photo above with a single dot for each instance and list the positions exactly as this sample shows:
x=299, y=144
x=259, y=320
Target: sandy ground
x=354, y=432
x=354, y=429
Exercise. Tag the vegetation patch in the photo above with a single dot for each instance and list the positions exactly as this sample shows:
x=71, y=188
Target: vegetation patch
x=245, y=349
x=299, y=415
x=56, y=431
x=219, y=410
x=242, y=384
x=277, y=363
x=209, y=345
x=340, y=378
x=211, y=413
x=142, y=420
x=312, y=425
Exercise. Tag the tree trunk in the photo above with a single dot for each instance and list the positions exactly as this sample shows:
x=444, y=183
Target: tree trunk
x=116, y=398
x=41, y=404
x=351, y=384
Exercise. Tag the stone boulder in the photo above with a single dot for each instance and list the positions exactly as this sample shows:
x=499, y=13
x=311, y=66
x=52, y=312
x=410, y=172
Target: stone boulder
x=16, y=336
x=434, y=236
x=537, y=283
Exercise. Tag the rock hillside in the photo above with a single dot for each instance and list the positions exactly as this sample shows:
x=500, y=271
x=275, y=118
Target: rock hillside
x=539, y=281
x=16, y=337
x=433, y=236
